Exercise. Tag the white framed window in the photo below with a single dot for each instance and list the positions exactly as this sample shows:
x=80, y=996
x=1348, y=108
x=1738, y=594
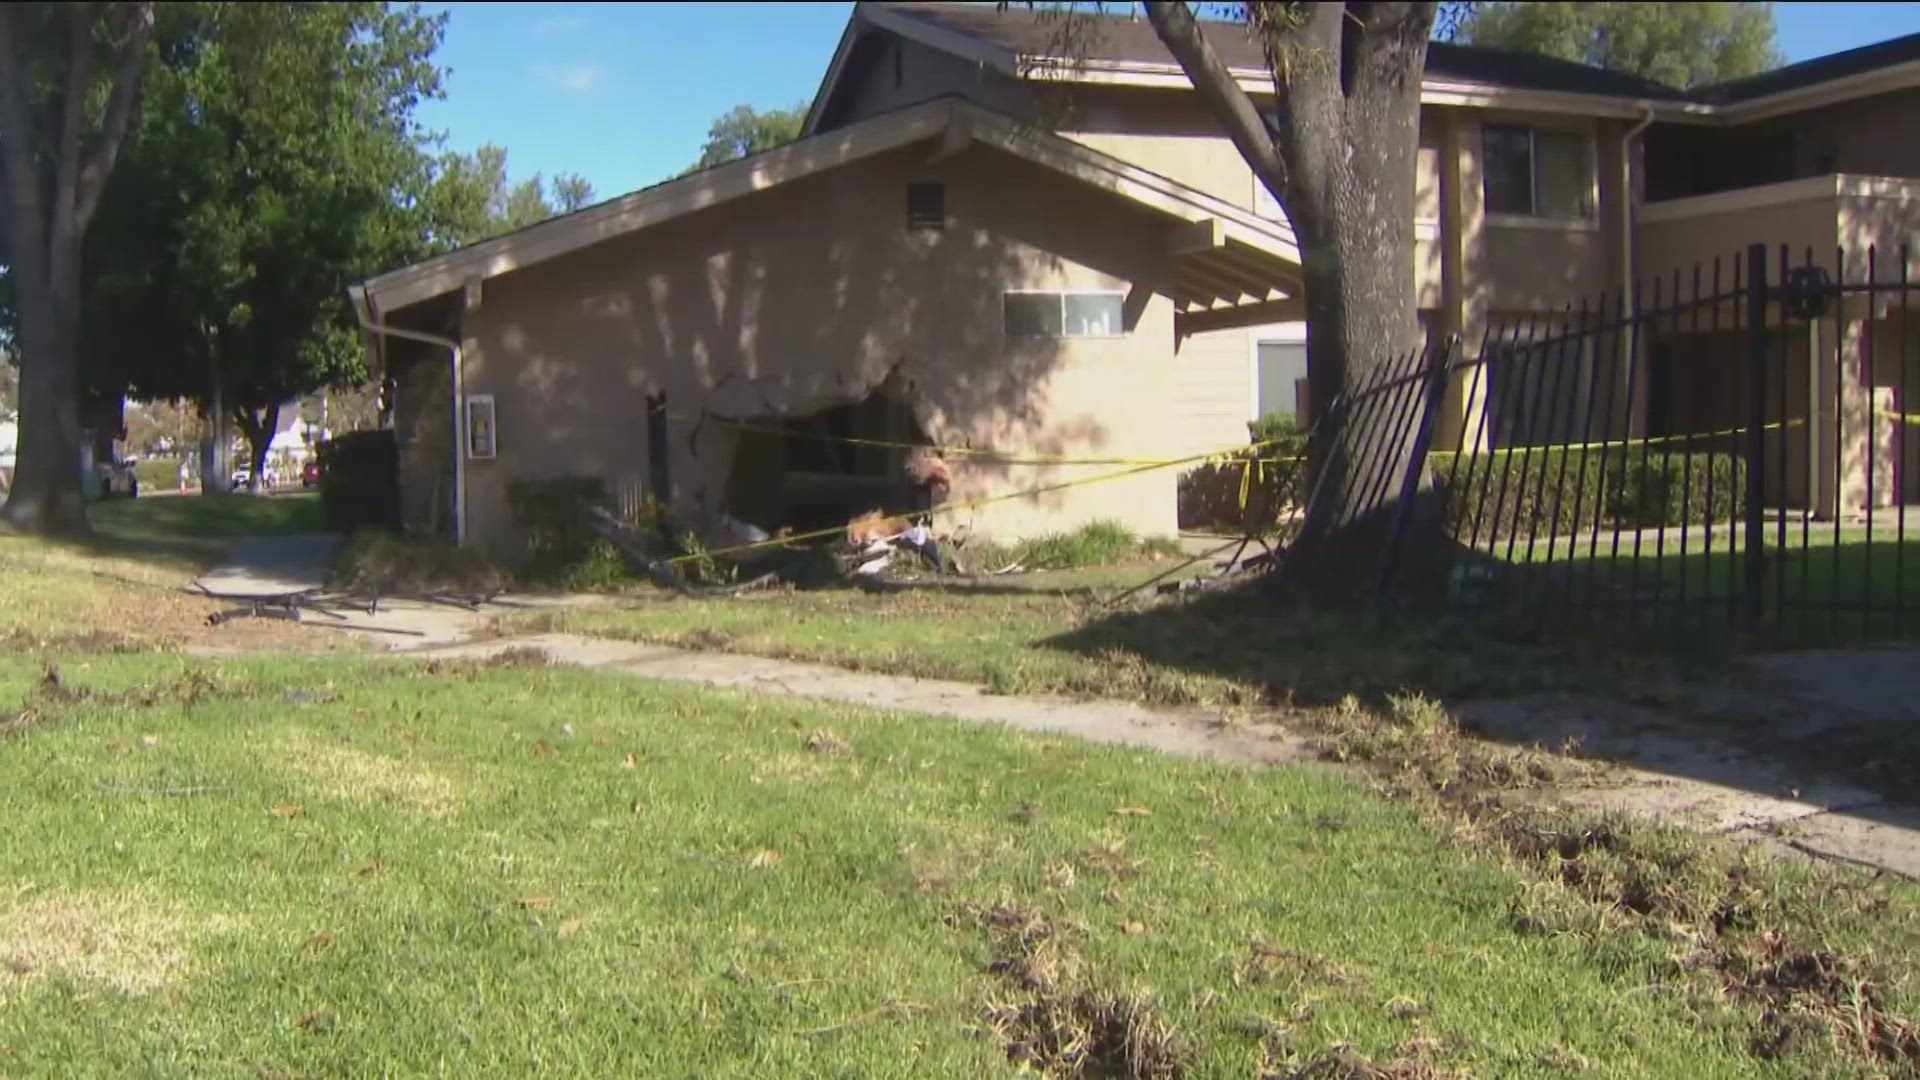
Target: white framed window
x=1064, y=314
x=481, y=435
x=1532, y=172
x=1277, y=369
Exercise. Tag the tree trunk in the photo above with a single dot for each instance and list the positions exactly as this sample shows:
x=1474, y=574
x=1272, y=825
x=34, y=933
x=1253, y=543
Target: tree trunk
x=1354, y=225
x=46, y=496
x=1339, y=157
x=216, y=458
x=53, y=184
x=259, y=432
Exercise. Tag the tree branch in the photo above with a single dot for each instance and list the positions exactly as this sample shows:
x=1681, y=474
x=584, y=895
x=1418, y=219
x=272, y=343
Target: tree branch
x=73, y=110
x=1221, y=93
x=126, y=86
x=1396, y=29
x=17, y=140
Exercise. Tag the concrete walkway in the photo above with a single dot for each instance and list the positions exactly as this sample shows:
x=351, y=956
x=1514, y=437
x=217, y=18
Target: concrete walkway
x=1188, y=734
x=1664, y=771
x=272, y=566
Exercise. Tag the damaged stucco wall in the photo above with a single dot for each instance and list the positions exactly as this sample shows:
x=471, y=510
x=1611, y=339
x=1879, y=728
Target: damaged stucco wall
x=811, y=293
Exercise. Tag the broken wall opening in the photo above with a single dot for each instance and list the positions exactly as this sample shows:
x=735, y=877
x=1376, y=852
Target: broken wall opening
x=804, y=473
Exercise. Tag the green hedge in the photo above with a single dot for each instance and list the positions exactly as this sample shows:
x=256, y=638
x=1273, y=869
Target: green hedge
x=1548, y=490
x=1551, y=490
x=360, y=481
x=1223, y=495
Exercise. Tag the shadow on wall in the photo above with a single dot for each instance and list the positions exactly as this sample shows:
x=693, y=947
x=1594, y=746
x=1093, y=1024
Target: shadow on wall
x=811, y=294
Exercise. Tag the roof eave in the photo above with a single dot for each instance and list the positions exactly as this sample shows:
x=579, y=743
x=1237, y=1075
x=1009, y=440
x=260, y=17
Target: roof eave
x=638, y=210
x=1901, y=76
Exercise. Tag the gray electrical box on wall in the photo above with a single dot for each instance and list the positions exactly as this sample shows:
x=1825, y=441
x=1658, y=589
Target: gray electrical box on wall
x=480, y=427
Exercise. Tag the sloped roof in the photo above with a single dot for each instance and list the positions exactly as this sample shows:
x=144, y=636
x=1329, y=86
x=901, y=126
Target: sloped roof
x=1235, y=230
x=1820, y=69
x=1024, y=31
x=1015, y=38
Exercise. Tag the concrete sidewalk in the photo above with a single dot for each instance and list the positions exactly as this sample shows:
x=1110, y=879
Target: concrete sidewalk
x=1661, y=769
x=1187, y=733
x=272, y=566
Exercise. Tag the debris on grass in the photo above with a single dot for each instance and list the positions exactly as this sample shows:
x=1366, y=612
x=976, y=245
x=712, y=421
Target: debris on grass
x=1084, y=1033
x=705, y=639
x=827, y=741
x=1059, y=1023
x=18, y=640
x=519, y=656
x=1714, y=917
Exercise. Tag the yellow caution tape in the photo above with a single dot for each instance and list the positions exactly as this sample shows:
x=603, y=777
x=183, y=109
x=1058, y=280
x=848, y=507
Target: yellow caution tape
x=971, y=504
x=999, y=456
x=1624, y=444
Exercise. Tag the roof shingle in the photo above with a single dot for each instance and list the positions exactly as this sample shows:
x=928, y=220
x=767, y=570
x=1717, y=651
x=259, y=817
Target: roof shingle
x=1127, y=39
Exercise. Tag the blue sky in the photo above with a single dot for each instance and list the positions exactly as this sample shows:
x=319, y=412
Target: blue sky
x=623, y=93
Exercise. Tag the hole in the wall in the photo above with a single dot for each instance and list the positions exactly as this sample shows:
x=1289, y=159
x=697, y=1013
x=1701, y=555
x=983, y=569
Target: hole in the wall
x=803, y=472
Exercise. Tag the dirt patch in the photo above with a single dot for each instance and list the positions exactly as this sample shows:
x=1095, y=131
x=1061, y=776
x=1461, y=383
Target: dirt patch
x=131, y=941
x=1733, y=926
x=359, y=777
x=1058, y=1023
x=517, y=656
x=49, y=696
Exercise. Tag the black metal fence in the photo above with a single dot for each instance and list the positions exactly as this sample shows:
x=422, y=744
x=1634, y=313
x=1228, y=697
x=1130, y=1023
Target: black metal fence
x=1729, y=445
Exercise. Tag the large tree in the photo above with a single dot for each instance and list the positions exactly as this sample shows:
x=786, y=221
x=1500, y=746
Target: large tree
x=743, y=131
x=1680, y=44
x=472, y=198
x=277, y=162
x=1340, y=161
x=69, y=77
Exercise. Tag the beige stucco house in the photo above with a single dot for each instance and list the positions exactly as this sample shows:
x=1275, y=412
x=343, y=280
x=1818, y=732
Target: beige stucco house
x=980, y=244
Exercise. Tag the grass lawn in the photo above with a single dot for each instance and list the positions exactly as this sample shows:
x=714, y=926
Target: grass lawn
x=1055, y=633
x=298, y=867
x=1821, y=586
x=125, y=587
x=206, y=517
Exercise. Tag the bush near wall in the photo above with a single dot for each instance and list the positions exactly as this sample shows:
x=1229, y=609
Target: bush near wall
x=1508, y=492
x=360, y=481
x=562, y=548
x=1554, y=490
x=1250, y=491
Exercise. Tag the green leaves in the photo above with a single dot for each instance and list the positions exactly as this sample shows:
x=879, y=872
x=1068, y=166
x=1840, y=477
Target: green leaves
x=1679, y=44
x=743, y=132
x=471, y=199
x=275, y=162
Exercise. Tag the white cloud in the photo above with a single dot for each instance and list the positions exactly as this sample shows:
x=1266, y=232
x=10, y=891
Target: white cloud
x=573, y=76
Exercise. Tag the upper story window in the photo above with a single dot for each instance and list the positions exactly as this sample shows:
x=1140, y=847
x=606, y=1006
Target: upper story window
x=1537, y=172
x=1062, y=314
x=926, y=206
